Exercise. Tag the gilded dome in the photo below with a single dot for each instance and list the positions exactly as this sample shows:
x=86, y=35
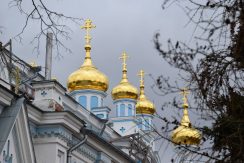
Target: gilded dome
x=87, y=76
x=185, y=133
x=143, y=105
x=124, y=89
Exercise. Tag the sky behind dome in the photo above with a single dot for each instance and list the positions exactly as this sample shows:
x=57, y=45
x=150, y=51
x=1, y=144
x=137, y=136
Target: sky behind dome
x=121, y=25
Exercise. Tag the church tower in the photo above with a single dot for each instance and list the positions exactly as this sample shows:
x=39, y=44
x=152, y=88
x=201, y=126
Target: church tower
x=185, y=134
x=144, y=108
x=88, y=85
x=124, y=98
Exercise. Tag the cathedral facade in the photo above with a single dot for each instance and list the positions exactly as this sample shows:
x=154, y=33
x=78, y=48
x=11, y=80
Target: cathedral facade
x=42, y=121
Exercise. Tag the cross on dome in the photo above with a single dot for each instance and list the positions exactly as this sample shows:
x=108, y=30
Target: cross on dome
x=88, y=76
x=185, y=92
x=88, y=26
x=124, y=57
x=141, y=75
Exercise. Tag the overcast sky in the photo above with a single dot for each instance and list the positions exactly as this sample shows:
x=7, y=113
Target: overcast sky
x=121, y=25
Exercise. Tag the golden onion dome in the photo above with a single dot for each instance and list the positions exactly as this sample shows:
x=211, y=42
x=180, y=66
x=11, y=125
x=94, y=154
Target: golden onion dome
x=87, y=76
x=143, y=105
x=185, y=133
x=124, y=89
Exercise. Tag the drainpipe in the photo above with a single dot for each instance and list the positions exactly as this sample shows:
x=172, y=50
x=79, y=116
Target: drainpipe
x=71, y=149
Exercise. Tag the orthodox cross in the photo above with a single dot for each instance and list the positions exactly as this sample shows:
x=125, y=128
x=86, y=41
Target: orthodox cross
x=124, y=58
x=141, y=75
x=88, y=26
x=184, y=92
x=122, y=129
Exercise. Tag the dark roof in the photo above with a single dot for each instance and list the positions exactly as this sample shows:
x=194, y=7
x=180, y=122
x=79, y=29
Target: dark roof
x=7, y=120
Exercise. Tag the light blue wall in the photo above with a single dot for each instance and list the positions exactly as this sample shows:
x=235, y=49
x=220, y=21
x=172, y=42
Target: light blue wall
x=130, y=110
x=117, y=110
x=144, y=122
x=94, y=101
x=100, y=116
x=147, y=124
x=125, y=108
x=122, y=110
x=83, y=101
x=140, y=123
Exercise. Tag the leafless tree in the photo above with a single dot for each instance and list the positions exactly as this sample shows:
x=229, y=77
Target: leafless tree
x=49, y=21
x=214, y=72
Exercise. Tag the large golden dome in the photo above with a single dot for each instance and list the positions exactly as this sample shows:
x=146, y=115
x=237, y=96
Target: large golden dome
x=87, y=76
x=143, y=105
x=185, y=133
x=124, y=89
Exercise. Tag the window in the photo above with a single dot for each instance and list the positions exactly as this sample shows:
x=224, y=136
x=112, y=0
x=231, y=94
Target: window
x=129, y=110
x=101, y=116
x=94, y=102
x=122, y=110
x=117, y=110
x=82, y=101
x=140, y=123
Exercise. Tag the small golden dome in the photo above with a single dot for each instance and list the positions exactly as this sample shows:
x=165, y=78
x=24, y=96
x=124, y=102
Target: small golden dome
x=185, y=133
x=143, y=105
x=87, y=76
x=124, y=89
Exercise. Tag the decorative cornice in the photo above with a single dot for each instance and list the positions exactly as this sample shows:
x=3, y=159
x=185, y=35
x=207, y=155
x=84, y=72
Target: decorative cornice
x=104, y=94
x=49, y=84
x=64, y=135
x=124, y=100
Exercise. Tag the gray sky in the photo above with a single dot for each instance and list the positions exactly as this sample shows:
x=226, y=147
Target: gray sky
x=120, y=25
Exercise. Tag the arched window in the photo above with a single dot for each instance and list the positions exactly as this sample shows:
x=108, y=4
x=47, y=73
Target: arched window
x=139, y=123
x=94, y=102
x=82, y=101
x=122, y=110
x=129, y=110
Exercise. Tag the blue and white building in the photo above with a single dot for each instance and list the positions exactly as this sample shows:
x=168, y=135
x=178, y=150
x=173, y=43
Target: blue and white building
x=43, y=122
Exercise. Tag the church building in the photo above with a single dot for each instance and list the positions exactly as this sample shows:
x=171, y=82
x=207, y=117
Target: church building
x=42, y=121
